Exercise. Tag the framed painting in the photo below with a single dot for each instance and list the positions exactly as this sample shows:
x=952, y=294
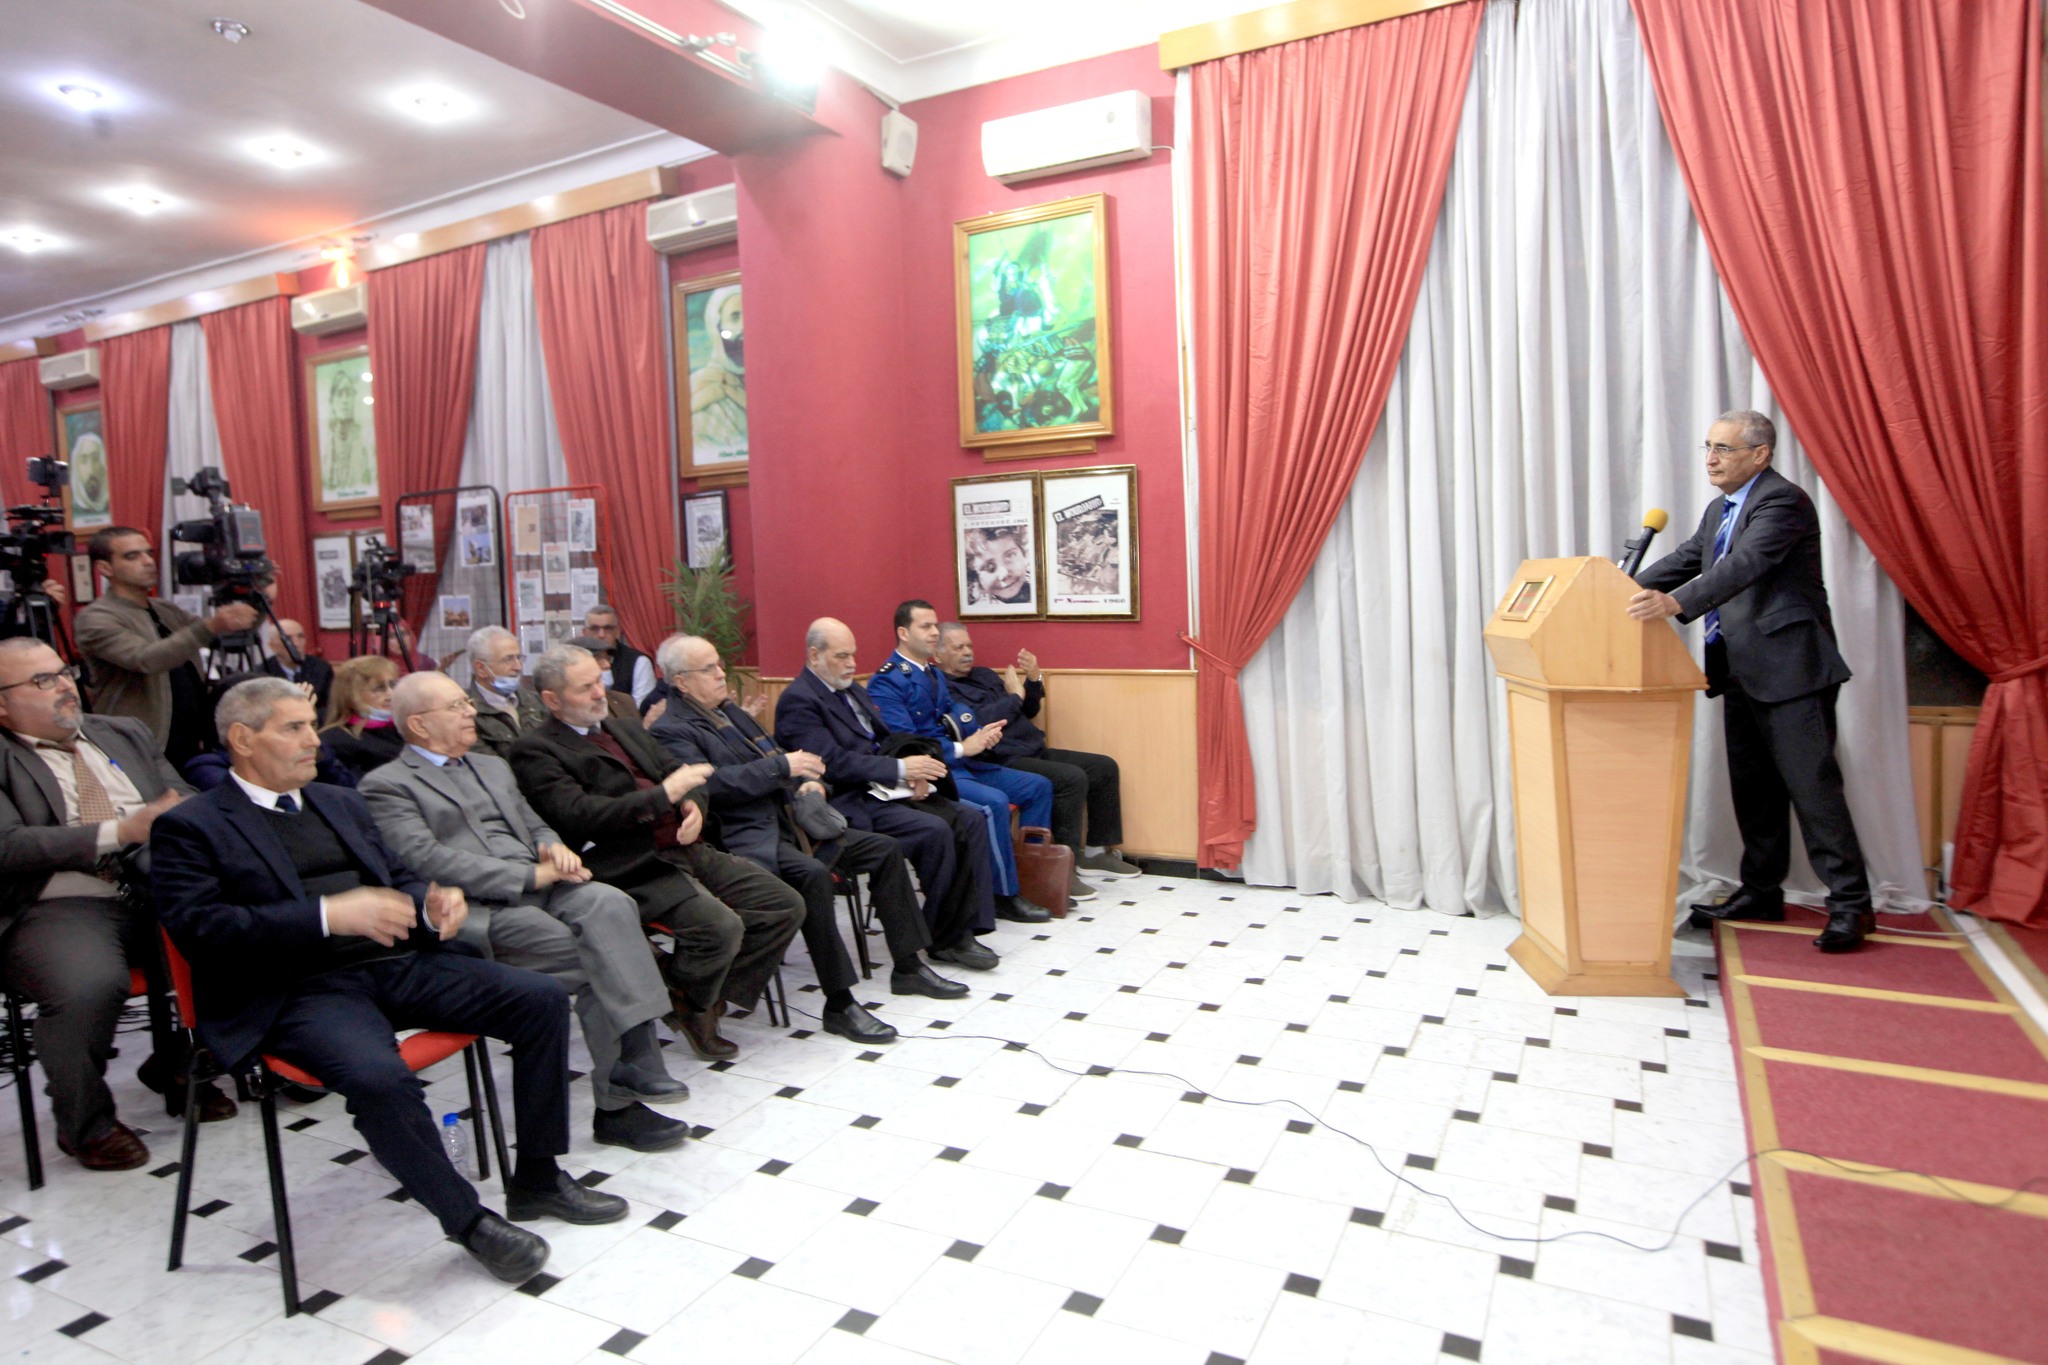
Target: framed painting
x=1088, y=524
x=333, y=571
x=711, y=376
x=704, y=527
x=341, y=440
x=82, y=443
x=1031, y=290
x=996, y=568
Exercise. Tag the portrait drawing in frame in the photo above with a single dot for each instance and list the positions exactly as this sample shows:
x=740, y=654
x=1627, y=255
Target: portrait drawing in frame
x=341, y=439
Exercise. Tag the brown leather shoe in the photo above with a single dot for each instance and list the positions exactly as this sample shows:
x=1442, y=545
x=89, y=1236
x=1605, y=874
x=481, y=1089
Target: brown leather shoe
x=700, y=1031
x=117, y=1149
x=214, y=1106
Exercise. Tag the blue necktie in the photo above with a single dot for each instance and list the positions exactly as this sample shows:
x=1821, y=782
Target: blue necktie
x=286, y=805
x=1720, y=548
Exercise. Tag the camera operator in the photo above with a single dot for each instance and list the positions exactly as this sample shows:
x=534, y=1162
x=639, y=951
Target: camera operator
x=144, y=652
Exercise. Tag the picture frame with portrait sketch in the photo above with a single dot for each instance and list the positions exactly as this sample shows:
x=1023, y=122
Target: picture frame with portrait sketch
x=997, y=570
x=707, y=322
x=82, y=444
x=341, y=439
x=1088, y=534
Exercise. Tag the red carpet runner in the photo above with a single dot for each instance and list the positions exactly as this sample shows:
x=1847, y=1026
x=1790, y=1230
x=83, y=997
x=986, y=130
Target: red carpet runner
x=1907, y=1056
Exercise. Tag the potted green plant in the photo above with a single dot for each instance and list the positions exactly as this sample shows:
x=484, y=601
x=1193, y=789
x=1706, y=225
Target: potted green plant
x=706, y=605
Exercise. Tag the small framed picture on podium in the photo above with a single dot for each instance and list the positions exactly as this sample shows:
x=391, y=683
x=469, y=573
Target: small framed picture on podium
x=996, y=567
x=1088, y=525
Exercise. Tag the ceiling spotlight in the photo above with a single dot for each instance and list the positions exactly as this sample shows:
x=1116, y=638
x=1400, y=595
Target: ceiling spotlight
x=137, y=199
x=26, y=240
x=83, y=98
x=234, y=30
x=433, y=103
x=283, y=152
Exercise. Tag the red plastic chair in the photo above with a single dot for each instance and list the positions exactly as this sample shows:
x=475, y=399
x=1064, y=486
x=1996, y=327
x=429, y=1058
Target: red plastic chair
x=24, y=1082
x=267, y=1073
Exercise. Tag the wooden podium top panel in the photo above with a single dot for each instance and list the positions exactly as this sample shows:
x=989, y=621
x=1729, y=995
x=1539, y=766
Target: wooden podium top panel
x=1564, y=623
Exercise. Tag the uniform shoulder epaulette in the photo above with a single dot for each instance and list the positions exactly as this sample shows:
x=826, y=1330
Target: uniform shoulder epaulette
x=888, y=666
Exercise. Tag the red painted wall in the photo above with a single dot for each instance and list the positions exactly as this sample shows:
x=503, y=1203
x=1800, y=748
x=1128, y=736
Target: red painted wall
x=852, y=388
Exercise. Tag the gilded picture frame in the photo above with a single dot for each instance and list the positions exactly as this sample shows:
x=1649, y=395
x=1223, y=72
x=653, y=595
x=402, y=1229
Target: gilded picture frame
x=341, y=438
x=82, y=444
x=707, y=322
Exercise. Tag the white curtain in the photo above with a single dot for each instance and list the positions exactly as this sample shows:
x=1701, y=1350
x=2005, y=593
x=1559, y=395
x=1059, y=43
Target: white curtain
x=1569, y=349
x=193, y=436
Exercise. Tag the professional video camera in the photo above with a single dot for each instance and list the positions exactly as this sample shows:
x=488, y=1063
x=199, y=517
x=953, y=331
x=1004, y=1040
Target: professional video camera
x=378, y=579
x=34, y=532
x=231, y=558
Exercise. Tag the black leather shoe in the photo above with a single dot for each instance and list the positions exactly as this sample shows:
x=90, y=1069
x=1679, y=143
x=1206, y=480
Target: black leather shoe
x=922, y=980
x=1846, y=930
x=1765, y=907
x=514, y=1255
x=639, y=1128
x=966, y=953
x=647, y=1083
x=568, y=1201
x=856, y=1023
x=700, y=1030
x=117, y=1149
x=1022, y=911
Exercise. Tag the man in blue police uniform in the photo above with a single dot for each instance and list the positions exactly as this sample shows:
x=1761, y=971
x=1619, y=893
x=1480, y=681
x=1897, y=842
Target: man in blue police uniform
x=911, y=694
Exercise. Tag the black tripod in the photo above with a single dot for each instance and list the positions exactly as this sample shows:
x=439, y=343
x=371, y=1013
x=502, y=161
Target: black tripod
x=242, y=651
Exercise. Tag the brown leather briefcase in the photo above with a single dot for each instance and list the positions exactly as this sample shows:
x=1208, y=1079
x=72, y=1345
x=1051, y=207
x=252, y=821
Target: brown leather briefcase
x=1045, y=870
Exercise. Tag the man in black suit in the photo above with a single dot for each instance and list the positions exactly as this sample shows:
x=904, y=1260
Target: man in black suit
x=636, y=816
x=78, y=794
x=750, y=794
x=825, y=712
x=1753, y=570
x=310, y=940
x=310, y=668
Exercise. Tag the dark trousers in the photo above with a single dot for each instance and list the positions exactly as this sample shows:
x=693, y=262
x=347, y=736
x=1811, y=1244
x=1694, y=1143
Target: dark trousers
x=947, y=842
x=889, y=891
x=341, y=1026
x=1781, y=758
x=1081, y=781
x=732, y=922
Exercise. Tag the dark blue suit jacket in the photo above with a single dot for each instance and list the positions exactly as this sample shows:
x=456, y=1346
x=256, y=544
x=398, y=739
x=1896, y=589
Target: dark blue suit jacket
x=812, y=717
x=233, y=903
x=749, y=789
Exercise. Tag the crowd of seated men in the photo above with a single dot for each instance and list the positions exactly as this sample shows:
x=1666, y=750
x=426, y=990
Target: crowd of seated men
x=342, y=853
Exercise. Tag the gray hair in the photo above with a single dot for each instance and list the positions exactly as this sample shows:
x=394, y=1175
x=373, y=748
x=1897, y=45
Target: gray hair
x=551, y=669
x=483, y=638
x=410, y=696
x=250, y=703
x=1757, y=429
x=816, y=636
x=672, y=657
x=951, y=628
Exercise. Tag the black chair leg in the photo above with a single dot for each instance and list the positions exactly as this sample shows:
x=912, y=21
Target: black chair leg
x=497, y=1115
x=777, y=1000
x=858, y=913
x=25, y=1092
x=280, y=1207
x=188, y=1152
x=476, y=1108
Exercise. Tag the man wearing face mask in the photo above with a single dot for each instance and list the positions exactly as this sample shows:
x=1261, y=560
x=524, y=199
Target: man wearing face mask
x=506, y=707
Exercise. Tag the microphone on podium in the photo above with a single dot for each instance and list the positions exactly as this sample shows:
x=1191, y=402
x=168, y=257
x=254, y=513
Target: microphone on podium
x=1654, y=521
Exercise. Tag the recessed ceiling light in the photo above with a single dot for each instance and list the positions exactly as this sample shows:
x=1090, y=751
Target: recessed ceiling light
x=83, y=98
x=234, y=30
x=137, y=199
x=433, y=103
x=27, y=240
x=286, y=153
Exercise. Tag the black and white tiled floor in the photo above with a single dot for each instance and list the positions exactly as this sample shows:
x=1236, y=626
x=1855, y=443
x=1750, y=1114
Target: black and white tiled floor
x=954, y=1198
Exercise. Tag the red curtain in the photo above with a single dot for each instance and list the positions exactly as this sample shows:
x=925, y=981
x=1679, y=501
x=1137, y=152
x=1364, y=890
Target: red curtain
x=135, y=387
x=1318, y=171
x=27, y=429
x=600, y=295
x=1869, y=176
x=423, y=321
x=253, y=365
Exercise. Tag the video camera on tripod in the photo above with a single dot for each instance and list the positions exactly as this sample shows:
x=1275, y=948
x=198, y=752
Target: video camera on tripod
x=232, y=560
x=379, y=578
x=33, y=533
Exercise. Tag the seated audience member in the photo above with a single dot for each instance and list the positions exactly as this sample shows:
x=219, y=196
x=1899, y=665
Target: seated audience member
x=912, y=696
x=825, y=712
x=310, y=940
x=403, y=649
x=208, y=770
x=1081, y=781
x=311, y=668
x=608, y=788
x=617, y=705
x=359, y=732
x=506, y=705
x=143, y=652
x=629, y=671
x=456, y=817
x=750, y=793
x=77, y=793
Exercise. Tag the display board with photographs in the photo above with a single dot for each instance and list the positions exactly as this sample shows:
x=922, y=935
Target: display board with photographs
x=340, y=437
x=555, y=575
x=1088, y=526
x=709, y=329
x=455, y=539
x=995, y=560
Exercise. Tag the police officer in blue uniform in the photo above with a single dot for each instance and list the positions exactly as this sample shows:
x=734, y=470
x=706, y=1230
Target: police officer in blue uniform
x=912, y=696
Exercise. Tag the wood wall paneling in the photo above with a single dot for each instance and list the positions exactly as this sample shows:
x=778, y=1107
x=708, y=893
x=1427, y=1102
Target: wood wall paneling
x=1277, y=24
x=194, y=305
x=1940, y=738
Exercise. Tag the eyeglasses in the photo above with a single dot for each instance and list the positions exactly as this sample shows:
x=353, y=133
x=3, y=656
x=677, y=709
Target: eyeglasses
x=1709, y=448
x=44, y=682
x=713, y=667
x=459, y=706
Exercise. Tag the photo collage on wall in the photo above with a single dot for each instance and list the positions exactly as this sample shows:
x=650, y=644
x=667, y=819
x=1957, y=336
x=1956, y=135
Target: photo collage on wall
x=1047, y=545
x=555, y=577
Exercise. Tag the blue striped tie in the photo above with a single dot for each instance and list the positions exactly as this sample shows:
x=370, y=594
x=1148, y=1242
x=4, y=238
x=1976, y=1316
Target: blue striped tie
x=1720, y=548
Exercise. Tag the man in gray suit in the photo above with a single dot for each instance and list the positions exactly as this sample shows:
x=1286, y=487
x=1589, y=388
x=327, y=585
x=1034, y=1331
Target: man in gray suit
x=76, y=793
x=456, y=817
x=507, y=706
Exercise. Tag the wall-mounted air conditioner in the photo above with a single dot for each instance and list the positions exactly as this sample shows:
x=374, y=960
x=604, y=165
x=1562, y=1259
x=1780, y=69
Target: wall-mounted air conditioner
x=689, y=221
x=332, y=310
x=1068, y=137
x=70, y=370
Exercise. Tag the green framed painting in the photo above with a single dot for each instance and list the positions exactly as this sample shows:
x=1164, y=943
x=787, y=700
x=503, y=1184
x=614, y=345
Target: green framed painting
x=82, y=443
x=711, y=376
x=1031, y=289
x=341, y=439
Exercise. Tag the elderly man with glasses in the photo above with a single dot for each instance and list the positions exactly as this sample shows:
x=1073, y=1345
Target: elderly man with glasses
x=506, y=705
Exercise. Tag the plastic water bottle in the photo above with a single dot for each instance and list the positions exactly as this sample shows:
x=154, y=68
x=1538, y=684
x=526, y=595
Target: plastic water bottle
x=455, y=1142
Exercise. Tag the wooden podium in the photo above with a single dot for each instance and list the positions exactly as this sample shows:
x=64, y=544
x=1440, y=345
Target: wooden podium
x=1600, y=725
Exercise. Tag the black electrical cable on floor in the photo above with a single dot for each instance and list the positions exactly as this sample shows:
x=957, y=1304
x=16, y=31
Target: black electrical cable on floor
x=1189, y=1087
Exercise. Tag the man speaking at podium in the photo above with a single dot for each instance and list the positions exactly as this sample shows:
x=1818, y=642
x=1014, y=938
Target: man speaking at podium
x=1753, y=570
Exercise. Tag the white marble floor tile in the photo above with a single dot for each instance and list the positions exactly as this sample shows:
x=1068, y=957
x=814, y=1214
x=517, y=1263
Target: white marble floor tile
x=1072, y=1339
x=1284, y=1232
x=861, y=1161
x=765, y=1216
x=1302, y=1329
x=958, y=1200
x=1067, y=1244
x=741, y=1319
x=970, y=1314
x=864, y=1263
x=302, y=1340
x=644, y=1280
x=1538, y=1324
x=1170, y=1190
x=1194, y=1296
x=1413, y=1279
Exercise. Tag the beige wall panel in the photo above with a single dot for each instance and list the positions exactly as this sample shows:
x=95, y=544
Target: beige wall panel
x=1537, y=838
x=1625, y=786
